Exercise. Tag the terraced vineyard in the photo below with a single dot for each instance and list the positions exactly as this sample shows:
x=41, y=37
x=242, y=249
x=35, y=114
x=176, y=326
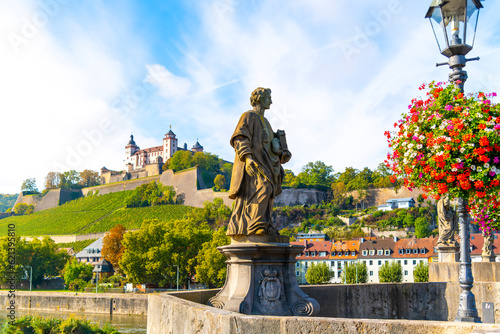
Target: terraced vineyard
x=89, y=214
x=78, y=246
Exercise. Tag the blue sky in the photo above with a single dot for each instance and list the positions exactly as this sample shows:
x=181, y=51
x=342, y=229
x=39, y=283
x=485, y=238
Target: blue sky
x=79, y=76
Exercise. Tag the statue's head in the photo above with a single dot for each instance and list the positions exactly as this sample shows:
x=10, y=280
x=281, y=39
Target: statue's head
x=258, y=95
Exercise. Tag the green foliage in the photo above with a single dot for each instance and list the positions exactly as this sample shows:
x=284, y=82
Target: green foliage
x=214, y=213
x=212, y=268
x=7, y=202
x=316, y=173
x=390, y=272
x=69, y=180
x=421, y=272
x=180, y=160
x=78, y=285
x=53, y=325
x=153, y=193
x=355, y=273
x=74, y=270
x=23, y=209
x=151, y=251
x=29, y=186
x=344, y=232
x=220, y=182
x=89, y=215
x=319, y=274
x=422, y=228
x=43, y=256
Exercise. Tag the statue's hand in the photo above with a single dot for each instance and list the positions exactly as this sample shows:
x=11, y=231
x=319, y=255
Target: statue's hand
x=251, y=167
x=275, y=144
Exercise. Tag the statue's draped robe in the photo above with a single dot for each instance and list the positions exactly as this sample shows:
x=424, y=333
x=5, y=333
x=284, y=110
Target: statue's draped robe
x=447, y=222
x=254, y=195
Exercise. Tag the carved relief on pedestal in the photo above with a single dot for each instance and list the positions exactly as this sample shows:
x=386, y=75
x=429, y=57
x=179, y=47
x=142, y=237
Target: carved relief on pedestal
x=271, y=293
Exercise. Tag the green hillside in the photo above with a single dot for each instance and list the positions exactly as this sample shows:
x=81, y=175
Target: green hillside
x=90, y=214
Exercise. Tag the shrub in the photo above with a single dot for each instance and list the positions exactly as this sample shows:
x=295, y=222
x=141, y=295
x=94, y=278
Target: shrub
x=390, y=272
x=319, y=274
x=77, y=285
x=351, y=270
x=421, y=272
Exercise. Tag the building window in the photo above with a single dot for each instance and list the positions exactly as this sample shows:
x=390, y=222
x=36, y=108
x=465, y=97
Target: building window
x=399, y=261
x=406, y=262
x=372, y=252
x=371, y=262
x=401, y=251
x=406, y=272
x=472, y=237
x=421, y=261
x=364, y=262
x=297, y=264
x=297, y=273
x=415, y=251
x=379, y=263
x=353, y=253
x=322, y=253
x=307, y=253
x=371, y=273
x=422, y=251
x=408, y=251
x=414, y=262
x=380, y=252
x=387, y=252
x=365, y=252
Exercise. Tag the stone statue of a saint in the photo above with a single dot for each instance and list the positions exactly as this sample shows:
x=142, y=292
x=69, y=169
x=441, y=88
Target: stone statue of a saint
x=448, y=223
x=257, y=172
x=488, y=239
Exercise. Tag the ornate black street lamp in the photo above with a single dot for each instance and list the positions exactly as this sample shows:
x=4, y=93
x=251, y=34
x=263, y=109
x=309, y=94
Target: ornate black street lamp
x=458, y=22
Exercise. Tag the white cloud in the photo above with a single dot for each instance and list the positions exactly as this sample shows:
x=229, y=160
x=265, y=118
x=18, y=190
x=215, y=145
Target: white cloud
x=169, y=85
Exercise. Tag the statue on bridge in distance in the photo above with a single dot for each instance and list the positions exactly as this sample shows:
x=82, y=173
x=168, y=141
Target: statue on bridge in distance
x=448, y=223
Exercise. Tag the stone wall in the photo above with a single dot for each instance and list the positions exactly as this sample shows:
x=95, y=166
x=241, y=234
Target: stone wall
x=52, y=198
x=72, y=237
x=119, y=186
x=170, y=314
x=450, y=271
x=299, y=197
x=78, y=302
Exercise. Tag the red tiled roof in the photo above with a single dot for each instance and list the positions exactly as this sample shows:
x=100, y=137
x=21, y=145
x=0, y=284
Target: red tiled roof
x=317, y=246
x=415, y=243
x=477, y=241
x=343, y=246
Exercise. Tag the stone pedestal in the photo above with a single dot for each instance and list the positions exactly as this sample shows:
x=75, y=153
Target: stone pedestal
x=488, y=258
x=448, y=253
x=261, y=278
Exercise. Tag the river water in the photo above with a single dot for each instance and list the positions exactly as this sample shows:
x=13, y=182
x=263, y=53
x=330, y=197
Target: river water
x=127, y=324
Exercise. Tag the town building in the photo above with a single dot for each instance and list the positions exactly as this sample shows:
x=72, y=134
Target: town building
x=314, y=252
x=410, y=252
x=397, y=203
x=92, y=253
x=311, y=236
x=342, y=253
x=375, y=253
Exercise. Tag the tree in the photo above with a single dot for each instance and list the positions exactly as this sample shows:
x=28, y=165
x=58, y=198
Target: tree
x=152, y=251
x=227, y=169
x=180, y=160
x=23, y=209
x=355, y=273
x=152, y=193
x=207, y=161
x=212, y=268
x=52, y=180
x=422, y=229
x=317, y=173
x=390, y=272
x=220, y=182
x=421, y=273
x=42, y=255
x=89, y=178
x=214, y=213
x=112, y=248
x=29, y=185
x=69, y=179
x=74, y=272
x=319, y=274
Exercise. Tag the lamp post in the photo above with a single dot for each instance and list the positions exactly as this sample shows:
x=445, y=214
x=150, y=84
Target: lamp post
x=31, y=275
x=177, y=276
x=458, y=21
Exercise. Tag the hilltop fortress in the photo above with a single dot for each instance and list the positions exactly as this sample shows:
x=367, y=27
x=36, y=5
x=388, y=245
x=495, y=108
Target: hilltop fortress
x=146, y=162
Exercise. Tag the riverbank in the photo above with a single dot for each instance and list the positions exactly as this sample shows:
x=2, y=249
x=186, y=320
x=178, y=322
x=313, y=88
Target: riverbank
x=101, y=303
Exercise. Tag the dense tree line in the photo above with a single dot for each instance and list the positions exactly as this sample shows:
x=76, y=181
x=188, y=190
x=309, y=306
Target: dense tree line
x=7, y=201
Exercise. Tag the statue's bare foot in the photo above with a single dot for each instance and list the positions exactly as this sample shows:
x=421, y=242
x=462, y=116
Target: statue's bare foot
x=260, y=231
